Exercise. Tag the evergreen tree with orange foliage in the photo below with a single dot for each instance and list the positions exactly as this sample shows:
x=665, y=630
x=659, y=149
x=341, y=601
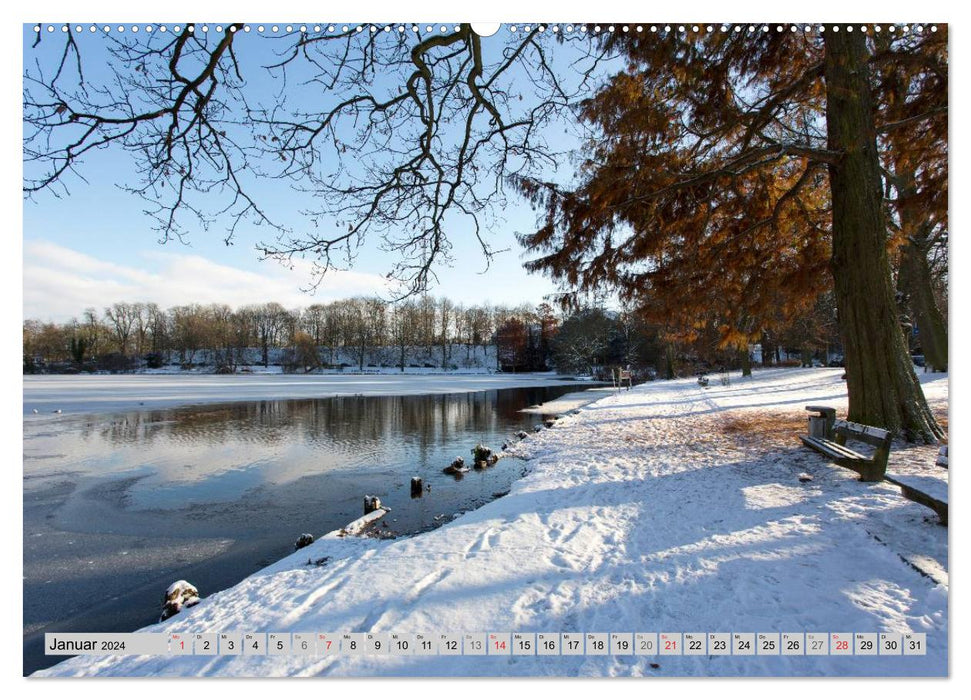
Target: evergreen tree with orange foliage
x=736, y=175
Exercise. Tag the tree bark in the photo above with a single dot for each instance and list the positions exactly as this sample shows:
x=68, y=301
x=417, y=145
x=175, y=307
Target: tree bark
x=746, y=362
x=882, y=387
x=915, y=281
x=806, y=357
x=914, y=276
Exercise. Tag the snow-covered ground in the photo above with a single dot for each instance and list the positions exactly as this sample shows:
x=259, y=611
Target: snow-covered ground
x=46, y=394
x=570, y=402
x=669, y=508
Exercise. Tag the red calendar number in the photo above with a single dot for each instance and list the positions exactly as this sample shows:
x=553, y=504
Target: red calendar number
x=670, y=645
x=842, y=646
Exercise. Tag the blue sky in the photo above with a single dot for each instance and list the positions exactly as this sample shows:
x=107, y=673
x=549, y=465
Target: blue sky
x=94, y=245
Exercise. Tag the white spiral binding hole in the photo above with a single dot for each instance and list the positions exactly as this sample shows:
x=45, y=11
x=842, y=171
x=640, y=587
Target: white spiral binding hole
x=567, y=30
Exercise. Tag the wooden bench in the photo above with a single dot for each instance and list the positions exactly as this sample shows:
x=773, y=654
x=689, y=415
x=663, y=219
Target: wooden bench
x=833, y=445
x=926, y=490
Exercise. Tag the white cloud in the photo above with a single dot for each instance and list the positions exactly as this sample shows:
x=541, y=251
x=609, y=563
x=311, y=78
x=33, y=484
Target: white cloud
x=59, y=283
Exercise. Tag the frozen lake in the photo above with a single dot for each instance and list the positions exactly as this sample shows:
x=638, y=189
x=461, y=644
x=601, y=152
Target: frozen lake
x=102, y=393
x=119, y=504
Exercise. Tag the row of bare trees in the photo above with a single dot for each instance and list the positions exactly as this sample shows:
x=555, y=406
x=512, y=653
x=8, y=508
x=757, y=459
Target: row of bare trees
x=437, y=331
x=126, y=335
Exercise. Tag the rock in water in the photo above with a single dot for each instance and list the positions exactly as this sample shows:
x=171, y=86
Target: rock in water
x=550, y=423
x=416, y=486
x=170, y=608
x=522, y=434
x=481, y=453
x=493, y=458
x=456, y=467
x=180, y=594
x=180, y=589
x=942, y=457
x=804, y=477
x=304, y=540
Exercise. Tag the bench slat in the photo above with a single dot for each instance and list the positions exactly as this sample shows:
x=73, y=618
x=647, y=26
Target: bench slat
x=831, y=446
x=832, y=449
x=860, y=431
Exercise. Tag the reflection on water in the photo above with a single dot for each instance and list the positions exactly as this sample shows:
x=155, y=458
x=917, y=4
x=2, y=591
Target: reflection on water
x=116, y=505
x=196, y=455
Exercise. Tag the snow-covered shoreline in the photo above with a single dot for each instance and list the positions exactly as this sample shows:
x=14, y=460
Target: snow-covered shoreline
x=73, y=394
x=669, y=508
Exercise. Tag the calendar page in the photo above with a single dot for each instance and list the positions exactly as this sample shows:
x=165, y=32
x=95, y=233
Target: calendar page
x=436, y=348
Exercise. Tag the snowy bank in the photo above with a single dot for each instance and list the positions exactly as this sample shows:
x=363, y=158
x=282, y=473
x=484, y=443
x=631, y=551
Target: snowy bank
x=669, y=508
x=569, y=402
x=106, y=393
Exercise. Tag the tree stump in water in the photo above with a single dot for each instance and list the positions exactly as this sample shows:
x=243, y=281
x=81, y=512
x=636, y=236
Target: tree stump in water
x=371, y=504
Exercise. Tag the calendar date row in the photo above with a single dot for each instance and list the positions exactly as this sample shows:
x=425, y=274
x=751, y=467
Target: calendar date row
x=494, y=644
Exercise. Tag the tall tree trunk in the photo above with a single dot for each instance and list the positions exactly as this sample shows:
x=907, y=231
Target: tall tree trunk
x=746, y=358
x=914, y=277
x=768, y=349
x=806, y=356
x=882, y=387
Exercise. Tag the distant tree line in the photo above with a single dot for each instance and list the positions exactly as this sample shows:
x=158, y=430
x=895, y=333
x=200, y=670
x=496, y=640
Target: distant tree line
x=417, y=332
x=127, y=335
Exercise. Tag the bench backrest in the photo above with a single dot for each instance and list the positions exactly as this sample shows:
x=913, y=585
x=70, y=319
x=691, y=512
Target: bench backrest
x=878, y=437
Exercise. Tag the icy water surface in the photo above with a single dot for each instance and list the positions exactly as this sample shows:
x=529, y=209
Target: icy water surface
x=117, y=506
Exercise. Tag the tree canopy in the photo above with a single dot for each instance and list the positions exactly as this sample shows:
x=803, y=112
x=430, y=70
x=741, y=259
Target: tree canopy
x=704, y=194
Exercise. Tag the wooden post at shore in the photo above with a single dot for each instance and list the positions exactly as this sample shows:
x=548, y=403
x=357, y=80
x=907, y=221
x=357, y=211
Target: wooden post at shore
x=371, y=504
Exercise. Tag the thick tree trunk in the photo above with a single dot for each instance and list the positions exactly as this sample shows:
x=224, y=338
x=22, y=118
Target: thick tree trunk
x=915, y=281
x=668, y=361
x=806, y=357
x=746, y=362
x=883, y=389
x=914, y=276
